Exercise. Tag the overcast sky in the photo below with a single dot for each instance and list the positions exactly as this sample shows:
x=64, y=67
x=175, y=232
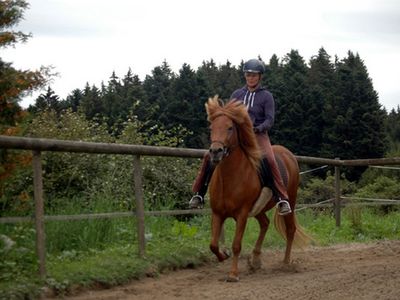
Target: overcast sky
x=86, y=40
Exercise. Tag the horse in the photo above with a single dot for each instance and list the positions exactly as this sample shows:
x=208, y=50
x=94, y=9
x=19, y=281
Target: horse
x=235, y=185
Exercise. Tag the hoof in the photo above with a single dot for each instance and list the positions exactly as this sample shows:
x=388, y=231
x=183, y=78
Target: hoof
x=227, y=253
x=253, y=263
x=231, y=278
x=286, y=261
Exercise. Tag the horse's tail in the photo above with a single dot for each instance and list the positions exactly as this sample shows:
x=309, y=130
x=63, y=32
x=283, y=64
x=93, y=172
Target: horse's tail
x=301, y=238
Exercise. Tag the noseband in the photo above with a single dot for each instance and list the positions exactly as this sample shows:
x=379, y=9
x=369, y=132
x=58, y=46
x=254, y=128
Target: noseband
x=225, y=149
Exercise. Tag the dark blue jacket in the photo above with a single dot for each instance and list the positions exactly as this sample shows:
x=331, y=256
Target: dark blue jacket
x=260, y=105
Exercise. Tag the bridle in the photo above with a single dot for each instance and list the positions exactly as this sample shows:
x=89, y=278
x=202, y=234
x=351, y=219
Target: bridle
x=226, y=150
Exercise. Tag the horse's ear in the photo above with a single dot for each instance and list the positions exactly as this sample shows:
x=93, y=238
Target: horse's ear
x=212, y=105
x=215, y=99
x=218, y=100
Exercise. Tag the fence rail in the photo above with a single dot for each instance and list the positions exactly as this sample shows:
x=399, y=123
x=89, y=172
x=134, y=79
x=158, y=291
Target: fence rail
x=37, y=145
x=25, y=143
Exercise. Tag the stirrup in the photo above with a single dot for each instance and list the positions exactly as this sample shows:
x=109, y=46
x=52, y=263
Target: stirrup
x=197, y=201
x=283, y=207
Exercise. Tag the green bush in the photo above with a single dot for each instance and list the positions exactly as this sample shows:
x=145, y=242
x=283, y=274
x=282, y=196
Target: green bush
x=90, y=177
x=317, y=189
x=382, y=187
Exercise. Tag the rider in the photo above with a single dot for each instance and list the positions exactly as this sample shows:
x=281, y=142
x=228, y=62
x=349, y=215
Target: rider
x=261, y=108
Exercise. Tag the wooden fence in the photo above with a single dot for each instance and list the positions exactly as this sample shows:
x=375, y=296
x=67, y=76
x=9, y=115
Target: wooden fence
x=38, y=145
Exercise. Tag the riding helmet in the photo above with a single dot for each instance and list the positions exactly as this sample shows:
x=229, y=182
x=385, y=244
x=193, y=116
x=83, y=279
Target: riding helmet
x=254, y=66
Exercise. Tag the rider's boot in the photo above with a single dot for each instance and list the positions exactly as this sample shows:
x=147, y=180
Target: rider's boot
x=204, y=178
x=267, y=179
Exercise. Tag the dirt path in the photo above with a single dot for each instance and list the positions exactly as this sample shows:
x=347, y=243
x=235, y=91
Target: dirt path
x=351, y=271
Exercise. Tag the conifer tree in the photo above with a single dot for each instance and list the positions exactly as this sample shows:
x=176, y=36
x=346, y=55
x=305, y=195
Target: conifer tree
x=208, y=74
x=358, y=129
x=393, y=130
x=73, y=100
x=290, y=121
x=158, y=89
x=46, y=101
x=272, y=80
x=113, y=104
x=186, y=106
x=91, y=103
x=322, y=92
x=228, y=80
x=133, y=94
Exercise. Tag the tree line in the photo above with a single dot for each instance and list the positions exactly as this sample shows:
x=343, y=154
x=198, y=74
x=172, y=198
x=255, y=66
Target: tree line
x=323, y=107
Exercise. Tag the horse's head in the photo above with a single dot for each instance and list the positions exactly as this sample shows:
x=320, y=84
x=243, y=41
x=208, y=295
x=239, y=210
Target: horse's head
x=230, y=127
x=223, y=138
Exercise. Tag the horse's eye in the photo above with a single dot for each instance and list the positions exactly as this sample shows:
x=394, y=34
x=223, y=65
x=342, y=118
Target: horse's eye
x=230, y=128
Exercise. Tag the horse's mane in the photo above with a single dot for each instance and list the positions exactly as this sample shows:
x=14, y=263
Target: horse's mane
x=237, y=112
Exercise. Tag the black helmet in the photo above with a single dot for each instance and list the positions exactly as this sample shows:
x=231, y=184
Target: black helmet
x=254, y=66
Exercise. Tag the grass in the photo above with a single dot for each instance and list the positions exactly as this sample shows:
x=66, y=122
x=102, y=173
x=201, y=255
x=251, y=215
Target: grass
x=104, y=252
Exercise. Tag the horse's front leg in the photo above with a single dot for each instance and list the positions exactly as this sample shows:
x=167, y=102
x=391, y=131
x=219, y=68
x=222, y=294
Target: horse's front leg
x=216, y=225
x=241, y=222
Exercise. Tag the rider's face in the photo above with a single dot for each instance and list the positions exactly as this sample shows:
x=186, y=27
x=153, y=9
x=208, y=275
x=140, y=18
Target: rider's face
x=252, y=79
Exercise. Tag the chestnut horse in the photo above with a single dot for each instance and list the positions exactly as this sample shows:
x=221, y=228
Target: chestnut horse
x=235, y=184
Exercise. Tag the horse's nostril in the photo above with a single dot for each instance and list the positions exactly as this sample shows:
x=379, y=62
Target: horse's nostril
x=216, y=151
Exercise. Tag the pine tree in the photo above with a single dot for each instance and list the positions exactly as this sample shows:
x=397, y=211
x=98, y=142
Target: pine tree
x=183, y=90
x=291, y=127
x=322, y=94
x=358, y=130
x=133, y=94
x=46, y=101
x=158, y=89
x=273, y=81
x=208, y=74
x=91, y=103
x=186, y=106
x=228, y=80
x=392, y=125
x=73, y=100
x=113, y=104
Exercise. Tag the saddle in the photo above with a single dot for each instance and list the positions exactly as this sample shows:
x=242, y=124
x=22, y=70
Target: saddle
x=267, y=182
x=265, y=174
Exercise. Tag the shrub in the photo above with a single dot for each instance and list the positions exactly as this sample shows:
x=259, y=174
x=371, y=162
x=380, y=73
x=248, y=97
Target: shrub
x=317, y=190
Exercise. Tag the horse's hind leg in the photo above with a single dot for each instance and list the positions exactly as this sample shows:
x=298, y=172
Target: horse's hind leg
x=216, y=225
x=255, y=259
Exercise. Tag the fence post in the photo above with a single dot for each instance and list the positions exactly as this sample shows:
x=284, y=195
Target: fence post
x=39, y=213
x=137, y=176
x=337, y=204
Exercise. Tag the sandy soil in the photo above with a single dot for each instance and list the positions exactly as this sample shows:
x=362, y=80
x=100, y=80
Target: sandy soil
x=351, y=271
